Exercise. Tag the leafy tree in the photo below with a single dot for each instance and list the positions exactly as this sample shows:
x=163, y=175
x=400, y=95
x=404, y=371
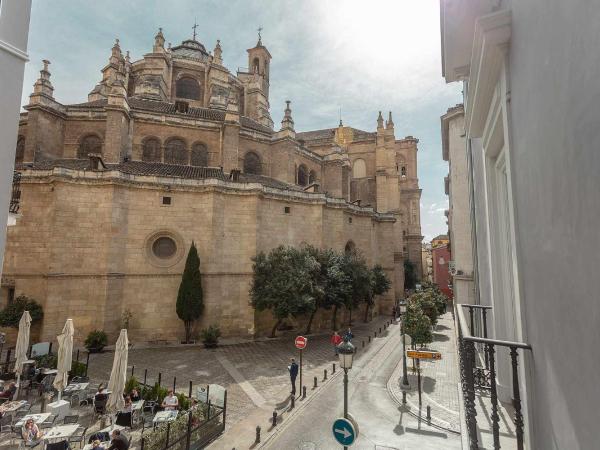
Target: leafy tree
x=189, y=298
x=417, y=325
x=410, y=274
x=284, y=282
x=380, y=284
x=11, y=315
x=360, y=282
x=426, y=302
x=338, y=289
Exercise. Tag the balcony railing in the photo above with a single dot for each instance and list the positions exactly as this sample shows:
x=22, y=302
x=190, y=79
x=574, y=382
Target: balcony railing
x=15, y=199
x=478, y=370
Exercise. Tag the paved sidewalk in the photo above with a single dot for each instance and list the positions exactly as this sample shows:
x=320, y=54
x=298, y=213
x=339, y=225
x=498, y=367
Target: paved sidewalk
x=440, y=380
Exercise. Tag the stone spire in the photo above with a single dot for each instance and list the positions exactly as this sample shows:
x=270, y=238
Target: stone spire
x=389, y=123
x=159, y=42
x=218, y=53
x=379, y=121
x=43, y=86
x=116, y=57
x=287, y=123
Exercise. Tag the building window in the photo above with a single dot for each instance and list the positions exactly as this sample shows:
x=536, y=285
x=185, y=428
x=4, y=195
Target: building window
x=164, y=247
x=89, y=144
x=166, y=200
x=175, y=152
x=187, y=87
x=349, y=219
x=312, y=177
x=286, y=210
x=350, y=248
x=302, y=175
x=359, y=169
x=20, y=151
x=199, y=155
x=252, y=163
x=256, y=65
x=403, y=171
x=151, y=150
x=11, y=295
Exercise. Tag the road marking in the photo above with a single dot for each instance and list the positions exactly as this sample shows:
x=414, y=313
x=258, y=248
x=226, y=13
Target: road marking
x=252, y=393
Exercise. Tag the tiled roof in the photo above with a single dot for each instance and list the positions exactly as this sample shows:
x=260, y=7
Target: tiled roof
x=247, y=122
x=266, y=181
x=329, y=133
x=95, y=104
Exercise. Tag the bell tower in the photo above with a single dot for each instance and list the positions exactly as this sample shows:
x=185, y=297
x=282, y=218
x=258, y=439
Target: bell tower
x=259, y=61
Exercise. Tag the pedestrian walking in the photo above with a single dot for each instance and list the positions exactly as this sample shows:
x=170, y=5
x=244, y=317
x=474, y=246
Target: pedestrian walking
x=348, y=335
x=293, y=370
x=336, y=340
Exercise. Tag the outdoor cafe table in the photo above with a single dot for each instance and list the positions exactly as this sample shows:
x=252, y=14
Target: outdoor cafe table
x=37, y=418
x=60, y=432
x=76, y=387
x=12, y=406
x=49, y=371
x=109, y=429
x=164, y=416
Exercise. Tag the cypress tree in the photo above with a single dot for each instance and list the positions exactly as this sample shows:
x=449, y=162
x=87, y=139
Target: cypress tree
x=189, y=298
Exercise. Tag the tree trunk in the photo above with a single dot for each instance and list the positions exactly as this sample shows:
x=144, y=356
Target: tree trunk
x=334, y=318
x=350, y=318
x=367, y=312
x=310, y=320
x=188, y=326
x=275, y=328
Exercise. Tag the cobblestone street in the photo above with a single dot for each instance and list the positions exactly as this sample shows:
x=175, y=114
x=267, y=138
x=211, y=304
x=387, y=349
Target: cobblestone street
x=253, y=373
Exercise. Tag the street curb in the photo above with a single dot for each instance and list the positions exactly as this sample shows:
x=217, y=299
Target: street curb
x=410, y=407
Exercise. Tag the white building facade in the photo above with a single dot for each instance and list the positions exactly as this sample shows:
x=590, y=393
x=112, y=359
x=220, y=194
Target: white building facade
x=532, y=139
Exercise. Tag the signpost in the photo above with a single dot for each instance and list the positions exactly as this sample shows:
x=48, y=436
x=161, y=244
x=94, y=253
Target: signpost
x=300, y=343
x=344, y=431
x=419, y=355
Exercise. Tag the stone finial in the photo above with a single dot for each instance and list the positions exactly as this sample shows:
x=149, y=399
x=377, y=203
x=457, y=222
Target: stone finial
x=390, y=122
x=259, y=43
x=380, y=120
x=127, y=58
x=43, y=85
x=159, y=41
x=218, y=52
x=46, y=64
x=287, y=123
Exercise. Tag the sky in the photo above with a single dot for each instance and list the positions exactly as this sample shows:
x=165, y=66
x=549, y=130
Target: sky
x=360, y=56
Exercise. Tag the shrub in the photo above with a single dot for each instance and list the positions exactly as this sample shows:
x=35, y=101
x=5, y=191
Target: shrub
x=131, y=384
x=46, y=361
x=96, y=340
x=78, y=369
x=210, y=336
x=11, y=315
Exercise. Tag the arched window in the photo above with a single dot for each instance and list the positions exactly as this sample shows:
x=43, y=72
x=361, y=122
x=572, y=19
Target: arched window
x=199, y=155
x=20, y=151
x=175, y=152
x=312, y=177
x=359, y=169
x=403, y=171
x=151, y=150
x=302, y=175
x=89, y=144
x=350, y=248
x=252, y=163
x=187, y=87
x=256, y=65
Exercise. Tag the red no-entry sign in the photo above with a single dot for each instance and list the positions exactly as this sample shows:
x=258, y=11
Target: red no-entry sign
x=300, y=342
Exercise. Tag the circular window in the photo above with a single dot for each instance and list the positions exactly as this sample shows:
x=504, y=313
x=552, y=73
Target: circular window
x=164, y=247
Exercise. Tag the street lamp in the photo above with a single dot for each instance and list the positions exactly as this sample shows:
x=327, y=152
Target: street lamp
x=346, y=354
x=405, y=386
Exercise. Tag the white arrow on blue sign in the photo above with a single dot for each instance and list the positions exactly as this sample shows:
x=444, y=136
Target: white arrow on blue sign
x=344, y=432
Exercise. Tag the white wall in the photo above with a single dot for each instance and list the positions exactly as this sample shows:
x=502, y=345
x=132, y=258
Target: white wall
x=14, y=30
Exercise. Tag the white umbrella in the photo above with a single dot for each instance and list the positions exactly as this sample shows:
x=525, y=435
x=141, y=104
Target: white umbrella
x=65, y=357
x=22, y=346
x=118, y=375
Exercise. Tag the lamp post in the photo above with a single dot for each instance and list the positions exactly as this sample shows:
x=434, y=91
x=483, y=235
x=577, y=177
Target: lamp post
x=404, y=386
x=346, y=355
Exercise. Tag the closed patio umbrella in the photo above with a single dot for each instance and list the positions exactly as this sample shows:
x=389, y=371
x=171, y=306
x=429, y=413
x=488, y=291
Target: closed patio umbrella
x=118, y=374
x=65, y=357
x=22, y=346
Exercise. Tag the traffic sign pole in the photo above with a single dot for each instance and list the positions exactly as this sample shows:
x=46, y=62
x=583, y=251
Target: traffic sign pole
x=419, y=382
x=300, y=370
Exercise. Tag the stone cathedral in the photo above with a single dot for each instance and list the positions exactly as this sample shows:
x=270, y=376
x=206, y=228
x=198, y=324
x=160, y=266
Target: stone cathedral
x=174, y=148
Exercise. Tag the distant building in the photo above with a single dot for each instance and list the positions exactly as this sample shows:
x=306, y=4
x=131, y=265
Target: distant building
x=439, y=240
x=440, y=257
x=426, y=262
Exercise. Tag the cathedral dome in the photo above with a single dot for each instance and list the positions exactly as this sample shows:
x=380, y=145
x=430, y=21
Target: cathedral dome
x=190, y=49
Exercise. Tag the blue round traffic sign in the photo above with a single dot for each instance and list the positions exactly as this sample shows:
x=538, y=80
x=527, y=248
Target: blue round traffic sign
x=344, y=431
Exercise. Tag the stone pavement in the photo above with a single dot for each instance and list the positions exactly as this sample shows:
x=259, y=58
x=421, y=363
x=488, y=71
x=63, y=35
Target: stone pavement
x=254, y=373
x=440, y=380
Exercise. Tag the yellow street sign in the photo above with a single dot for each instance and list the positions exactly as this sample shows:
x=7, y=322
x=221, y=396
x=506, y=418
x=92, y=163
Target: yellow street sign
x=423, y=354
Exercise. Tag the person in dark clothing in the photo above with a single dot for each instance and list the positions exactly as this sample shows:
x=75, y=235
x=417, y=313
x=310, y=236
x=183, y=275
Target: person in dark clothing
x=118, y=441
x=348, y=335
x=293, y=369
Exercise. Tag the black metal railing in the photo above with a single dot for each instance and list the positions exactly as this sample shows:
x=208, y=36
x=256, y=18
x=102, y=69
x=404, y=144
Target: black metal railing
x=15, y=199
x=479, y=372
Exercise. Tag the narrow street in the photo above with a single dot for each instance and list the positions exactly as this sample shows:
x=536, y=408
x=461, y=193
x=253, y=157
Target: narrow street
x=382, y=423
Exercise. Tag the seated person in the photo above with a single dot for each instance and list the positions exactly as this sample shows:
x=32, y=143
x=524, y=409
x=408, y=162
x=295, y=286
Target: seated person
x=97, y=445
x=170, y=403
x=118, y=441
x=101, y=395
x=31, y=432
x=10, y=392
x=128, y=405
x=135, y=395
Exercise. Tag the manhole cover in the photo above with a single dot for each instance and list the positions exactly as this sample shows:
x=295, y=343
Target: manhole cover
x=307, y=446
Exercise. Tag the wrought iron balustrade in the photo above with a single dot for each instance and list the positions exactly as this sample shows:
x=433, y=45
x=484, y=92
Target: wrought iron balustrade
x=478, y=370
x=15, y=199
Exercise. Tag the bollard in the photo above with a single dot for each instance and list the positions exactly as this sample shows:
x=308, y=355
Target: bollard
x=375, y=334
x=404, y=397
x=324, y=374
x=380, y=330
x=333, y=371
x=428, y=414
x=303, y=392
x=274, y=418
x=363, y=344
x=314, y=382
x=257, y=434
x=293, y=402
x=369, y=338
